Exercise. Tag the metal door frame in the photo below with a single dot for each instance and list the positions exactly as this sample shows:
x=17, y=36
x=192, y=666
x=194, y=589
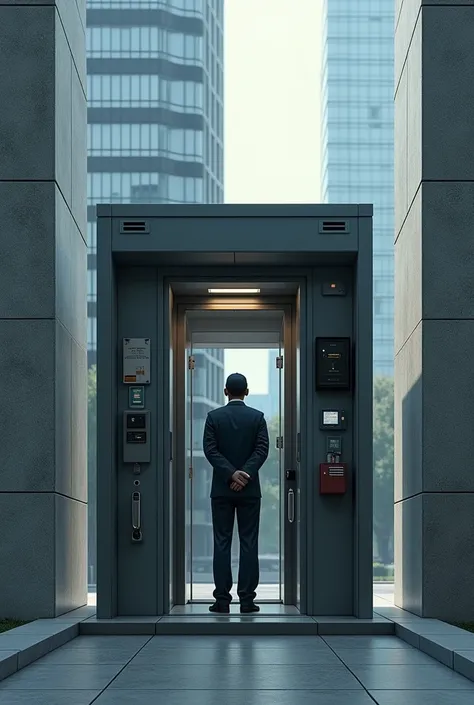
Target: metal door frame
x=186, y=242
x=286, y=304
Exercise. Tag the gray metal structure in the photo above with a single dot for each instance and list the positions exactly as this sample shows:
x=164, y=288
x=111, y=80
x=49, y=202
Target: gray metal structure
x=155, y=264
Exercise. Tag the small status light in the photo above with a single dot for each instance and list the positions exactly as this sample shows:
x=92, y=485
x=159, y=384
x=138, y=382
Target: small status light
x=234, y=291
x=333, y=286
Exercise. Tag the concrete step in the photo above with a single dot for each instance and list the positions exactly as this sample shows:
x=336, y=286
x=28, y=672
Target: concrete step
x=253, y=625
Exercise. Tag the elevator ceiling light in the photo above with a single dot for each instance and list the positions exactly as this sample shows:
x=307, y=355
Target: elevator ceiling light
x=234, y=291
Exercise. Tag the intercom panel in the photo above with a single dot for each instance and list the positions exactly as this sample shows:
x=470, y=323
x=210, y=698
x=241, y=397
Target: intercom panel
x=136, y=436
x=333, y=420
x=333, y=363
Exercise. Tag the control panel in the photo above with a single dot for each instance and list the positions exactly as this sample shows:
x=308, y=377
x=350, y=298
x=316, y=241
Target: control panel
x=333, y=473
x=136, y=437
x=333, y=363
x=333, y=420
x=136, y=433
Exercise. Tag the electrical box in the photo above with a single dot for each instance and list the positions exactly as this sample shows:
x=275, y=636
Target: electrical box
x=334, y=445
x=333, y=478
x=333, y=363
x=136, y=437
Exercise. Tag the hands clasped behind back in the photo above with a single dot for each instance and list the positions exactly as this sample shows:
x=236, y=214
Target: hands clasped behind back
x=239, y=480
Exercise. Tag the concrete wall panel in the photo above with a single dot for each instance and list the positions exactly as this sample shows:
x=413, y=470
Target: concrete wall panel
x=448, y=93
x=448, y=389
x=401, y=156
x=27, y=122
x=28, y=438
x=434, y=483
x=71, y=263
x=79, y=146
x=414, y=114
x=409, y=549
x=448, y=250
x=27, y=283
x=63, y=426
x=448, y=555
x=63, y=112
x=42, y=307
x=408, y=417
x=78, y=422
x=71, y=554
x=28, y=591
x=408, y=282
x=73, y=20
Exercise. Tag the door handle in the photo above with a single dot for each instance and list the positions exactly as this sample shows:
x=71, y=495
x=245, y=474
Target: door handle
x=291, y=506
x=136, y=517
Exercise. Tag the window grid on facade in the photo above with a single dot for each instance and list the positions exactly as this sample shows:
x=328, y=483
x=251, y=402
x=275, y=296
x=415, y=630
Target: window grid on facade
x=357, y=136
x=136, y=154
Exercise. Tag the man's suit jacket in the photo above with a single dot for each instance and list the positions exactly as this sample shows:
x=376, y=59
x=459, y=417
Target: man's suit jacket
x=235, y=438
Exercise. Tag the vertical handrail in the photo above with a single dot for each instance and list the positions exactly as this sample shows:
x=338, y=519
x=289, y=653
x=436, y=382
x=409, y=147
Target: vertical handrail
x=291, y=506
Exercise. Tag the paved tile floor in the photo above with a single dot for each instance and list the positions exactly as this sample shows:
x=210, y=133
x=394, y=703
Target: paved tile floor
x=245, y=670
x=383, y=593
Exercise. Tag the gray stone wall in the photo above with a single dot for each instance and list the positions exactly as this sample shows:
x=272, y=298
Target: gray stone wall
x=434, y=308
x=43, y=481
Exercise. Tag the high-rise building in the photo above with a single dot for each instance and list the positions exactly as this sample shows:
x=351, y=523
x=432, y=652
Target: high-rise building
x=270, y=402
x=358, y=136
x=155, y=109
x=155, y=86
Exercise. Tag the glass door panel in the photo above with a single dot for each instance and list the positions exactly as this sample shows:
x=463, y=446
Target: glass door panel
x=207, y=395
x=188, y=466
x=281, y=461
x=297, y=396
x=266, y=363
x=206, y=371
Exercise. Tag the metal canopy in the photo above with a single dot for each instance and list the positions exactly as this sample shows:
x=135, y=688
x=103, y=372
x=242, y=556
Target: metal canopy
x=244, y=235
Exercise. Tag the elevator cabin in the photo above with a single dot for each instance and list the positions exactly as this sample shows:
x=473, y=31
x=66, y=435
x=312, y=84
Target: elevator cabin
x=186, y=295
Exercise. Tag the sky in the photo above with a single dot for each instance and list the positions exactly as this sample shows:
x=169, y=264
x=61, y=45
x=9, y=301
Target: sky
x=272, y=61
x=251, y=363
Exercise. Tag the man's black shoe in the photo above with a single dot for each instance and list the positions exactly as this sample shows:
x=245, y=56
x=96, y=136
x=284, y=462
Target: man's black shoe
x=219, y=608
x=248, y=609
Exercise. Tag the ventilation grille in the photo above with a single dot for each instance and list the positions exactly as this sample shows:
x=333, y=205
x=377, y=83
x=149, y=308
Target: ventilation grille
x=333, y=226
x=128, y=227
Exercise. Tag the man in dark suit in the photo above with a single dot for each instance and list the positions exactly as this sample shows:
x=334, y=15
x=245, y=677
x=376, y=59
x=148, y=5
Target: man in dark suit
x=236, y=445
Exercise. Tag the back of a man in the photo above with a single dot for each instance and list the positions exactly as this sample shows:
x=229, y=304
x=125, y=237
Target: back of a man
x=236, y=445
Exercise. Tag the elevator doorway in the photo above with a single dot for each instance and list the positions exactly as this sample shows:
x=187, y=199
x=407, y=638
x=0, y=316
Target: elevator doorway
x=255, y=339
x=157, y=262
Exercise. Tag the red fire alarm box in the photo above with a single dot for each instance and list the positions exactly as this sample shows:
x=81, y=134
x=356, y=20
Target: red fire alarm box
x=333, y=478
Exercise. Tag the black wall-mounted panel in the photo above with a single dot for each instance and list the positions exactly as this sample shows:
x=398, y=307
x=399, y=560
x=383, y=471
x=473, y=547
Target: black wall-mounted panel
x=333, y=363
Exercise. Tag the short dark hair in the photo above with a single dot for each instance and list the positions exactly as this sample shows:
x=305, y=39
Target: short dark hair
x=236, y=385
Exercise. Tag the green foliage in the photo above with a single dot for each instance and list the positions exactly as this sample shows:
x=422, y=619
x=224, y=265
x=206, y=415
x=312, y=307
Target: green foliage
x=7, y=624
x=468, y=626
x=92, y=461
x=382, y=571
x=383, y=467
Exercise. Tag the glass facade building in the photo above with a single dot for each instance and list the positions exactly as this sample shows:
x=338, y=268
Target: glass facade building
x=155, y=109
x=155, y=86
x=358, y=136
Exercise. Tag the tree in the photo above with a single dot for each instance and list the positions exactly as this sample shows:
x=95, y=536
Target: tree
x=92, y=465
x=383, y=467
